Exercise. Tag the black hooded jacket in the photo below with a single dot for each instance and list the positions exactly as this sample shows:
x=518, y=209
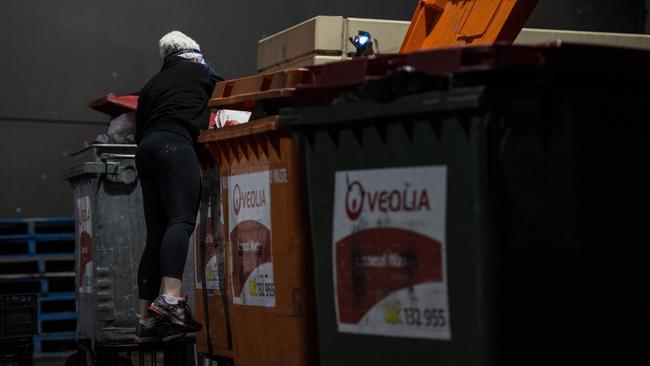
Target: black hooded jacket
x=175, y=99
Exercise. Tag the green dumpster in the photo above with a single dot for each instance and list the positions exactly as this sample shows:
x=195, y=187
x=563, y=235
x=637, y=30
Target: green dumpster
x=493, y=216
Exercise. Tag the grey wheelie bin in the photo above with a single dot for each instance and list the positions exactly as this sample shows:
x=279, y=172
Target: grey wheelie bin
x=110, y=235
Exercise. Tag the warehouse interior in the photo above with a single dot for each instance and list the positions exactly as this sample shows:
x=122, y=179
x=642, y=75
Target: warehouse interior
x=60, y=57
x=78, y=51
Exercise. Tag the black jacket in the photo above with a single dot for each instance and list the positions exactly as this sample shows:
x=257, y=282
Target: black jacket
x=176, y=99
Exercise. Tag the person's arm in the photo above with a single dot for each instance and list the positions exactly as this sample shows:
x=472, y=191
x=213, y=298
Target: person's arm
x=214, y=77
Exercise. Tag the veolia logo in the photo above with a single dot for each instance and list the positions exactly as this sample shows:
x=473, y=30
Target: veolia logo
x=236, y=199
x=388, y=200
x=247, y=199
x=354, y=200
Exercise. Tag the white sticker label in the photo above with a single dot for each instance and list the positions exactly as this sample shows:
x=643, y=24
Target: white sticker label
x=249, y=224
x=85, y=242
x=229, y=117
x=389, y=252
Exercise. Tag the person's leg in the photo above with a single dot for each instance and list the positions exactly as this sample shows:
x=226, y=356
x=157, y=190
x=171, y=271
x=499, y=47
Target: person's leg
x=149, y=278
x=171, y=286
x=155, y=221
x=180, y=187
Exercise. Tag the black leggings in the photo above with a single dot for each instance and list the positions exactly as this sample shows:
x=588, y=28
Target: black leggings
x=171, y=188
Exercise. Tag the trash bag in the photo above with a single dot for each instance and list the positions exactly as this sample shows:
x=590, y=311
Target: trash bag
x=121, y=130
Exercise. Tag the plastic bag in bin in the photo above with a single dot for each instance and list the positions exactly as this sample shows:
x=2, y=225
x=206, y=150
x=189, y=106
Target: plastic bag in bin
x=227, y=117
x=121, y=130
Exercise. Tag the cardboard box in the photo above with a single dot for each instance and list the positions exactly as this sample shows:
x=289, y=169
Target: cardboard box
x=326, y=39
x=530, y=36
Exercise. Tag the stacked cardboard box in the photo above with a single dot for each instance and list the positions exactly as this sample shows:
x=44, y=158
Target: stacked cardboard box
x=324, y=39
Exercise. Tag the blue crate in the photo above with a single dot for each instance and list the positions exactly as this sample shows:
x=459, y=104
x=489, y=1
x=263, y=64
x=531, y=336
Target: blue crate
x=54, y=344
x=60, y=302
x=42, y=285
x=50, y=343
x=18, y=315
x=57, y=322
x=33, y=226
x=38, y=256
x=37, y=248
x=36, y=266
x=16, y=351
x=36, y=236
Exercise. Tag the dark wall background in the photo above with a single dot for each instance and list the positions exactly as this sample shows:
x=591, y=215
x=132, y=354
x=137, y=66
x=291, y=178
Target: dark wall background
x=621, y=16
x=58, y=54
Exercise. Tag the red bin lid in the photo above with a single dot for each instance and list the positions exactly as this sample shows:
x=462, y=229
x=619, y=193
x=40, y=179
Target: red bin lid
x=114, y=105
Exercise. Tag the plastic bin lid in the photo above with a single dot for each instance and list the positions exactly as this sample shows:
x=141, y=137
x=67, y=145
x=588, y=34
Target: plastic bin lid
x=267, y=124
x=444, y=23
x=114, y=105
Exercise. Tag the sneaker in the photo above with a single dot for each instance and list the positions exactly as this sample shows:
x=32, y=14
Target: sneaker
x=160, y=331
x=177, y=314
x=145, y=334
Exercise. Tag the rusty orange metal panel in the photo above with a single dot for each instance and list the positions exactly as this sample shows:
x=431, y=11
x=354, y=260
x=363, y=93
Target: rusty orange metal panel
x=274, y=85
x=207, y=263
x=270, y=272
x=219, y=325
x=445, y=23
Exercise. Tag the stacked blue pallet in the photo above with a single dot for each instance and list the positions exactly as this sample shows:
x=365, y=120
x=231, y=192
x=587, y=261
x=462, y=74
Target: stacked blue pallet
x=37, y=256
